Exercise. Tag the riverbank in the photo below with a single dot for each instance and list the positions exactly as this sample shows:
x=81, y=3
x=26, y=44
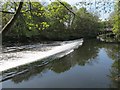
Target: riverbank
x=23, y=40
x=108, y=38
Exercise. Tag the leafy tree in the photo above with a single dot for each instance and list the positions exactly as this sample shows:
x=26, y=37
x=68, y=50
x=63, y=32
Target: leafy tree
x=58, y=15
x=31, y=19
x=36, y=16
x=8, y=26
x=116, y=26
x=111, y=19
x=58, y=20
x=85, y=23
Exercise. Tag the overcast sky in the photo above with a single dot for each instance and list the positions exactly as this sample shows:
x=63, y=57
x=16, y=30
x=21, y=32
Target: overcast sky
x=108, y=7
x=102, y=8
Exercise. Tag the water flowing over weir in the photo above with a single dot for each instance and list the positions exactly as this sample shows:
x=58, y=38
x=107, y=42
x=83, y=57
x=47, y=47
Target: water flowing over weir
x=13, y=57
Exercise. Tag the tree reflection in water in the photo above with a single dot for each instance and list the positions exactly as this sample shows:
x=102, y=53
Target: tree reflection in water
x=86, y=54
x=113, y=52
x=81, y=56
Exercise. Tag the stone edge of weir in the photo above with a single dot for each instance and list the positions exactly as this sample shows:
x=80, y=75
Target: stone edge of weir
x=73, y=44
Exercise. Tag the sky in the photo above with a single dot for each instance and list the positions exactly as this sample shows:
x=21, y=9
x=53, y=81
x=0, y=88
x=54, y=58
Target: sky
x=109, y=6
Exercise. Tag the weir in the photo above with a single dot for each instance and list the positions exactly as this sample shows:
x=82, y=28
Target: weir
x=15, y=59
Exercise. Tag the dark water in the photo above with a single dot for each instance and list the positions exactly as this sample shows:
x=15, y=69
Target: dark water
x=93, y=65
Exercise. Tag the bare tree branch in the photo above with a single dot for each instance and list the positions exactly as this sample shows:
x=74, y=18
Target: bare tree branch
x=8, y=26
x=30, y=7
x=68, y=10
x=7, y=12
x=66, y=7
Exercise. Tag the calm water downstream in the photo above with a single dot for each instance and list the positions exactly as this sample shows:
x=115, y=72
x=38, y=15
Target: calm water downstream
x=93, y=65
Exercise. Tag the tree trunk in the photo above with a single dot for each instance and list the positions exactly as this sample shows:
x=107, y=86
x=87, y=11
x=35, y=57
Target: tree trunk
x=8, y=26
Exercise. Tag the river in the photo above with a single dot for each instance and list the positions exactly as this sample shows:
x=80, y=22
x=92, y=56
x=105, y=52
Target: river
x=92, y=65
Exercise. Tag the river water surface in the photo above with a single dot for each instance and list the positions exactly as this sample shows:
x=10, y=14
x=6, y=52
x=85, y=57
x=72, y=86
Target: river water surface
x=93, y=65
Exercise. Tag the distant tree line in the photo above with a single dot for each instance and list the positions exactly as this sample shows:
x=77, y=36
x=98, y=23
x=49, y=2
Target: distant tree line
x=55, y=21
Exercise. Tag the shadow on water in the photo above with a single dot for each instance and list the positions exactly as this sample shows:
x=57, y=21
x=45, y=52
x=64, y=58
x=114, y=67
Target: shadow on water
x=113, y=52
x=88, y=59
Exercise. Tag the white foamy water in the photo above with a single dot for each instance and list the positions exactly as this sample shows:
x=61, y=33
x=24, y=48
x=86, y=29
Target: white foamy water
x=14, y=59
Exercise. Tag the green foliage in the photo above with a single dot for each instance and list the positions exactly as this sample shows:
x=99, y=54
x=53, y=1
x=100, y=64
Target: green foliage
x=6, y=17
x=58, y=16
x=53, y=21
x=85, y=23
x=35, y=17
x=116, y=26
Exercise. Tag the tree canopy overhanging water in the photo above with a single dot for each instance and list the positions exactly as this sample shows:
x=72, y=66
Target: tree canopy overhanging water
x=59, y=20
